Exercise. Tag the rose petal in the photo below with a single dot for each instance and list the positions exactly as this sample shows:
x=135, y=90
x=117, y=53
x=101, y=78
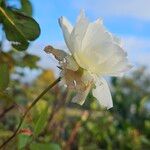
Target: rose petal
x=66, y=29
x=81, y=95
x=102, y=93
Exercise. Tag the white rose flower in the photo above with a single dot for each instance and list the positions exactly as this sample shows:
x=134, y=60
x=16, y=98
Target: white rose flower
x=95, y=53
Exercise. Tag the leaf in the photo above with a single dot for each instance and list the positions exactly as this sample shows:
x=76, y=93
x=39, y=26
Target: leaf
x=26, y=7
x=5, y=133
x=6, y=57
x=1, y=1
x=19, y=28
x=6, y=97
x=23, y=140
x=41, y=121
x=4, y=76
x=46, y=146
x=30, y=60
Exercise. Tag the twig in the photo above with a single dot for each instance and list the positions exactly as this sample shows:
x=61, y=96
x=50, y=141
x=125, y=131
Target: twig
x=75, y=130
x=73, y=135
x=57, y=107
x=6, y=111
x=34, y=102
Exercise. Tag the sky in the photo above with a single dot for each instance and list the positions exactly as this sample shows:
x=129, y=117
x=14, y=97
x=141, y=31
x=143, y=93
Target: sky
x=127, y=19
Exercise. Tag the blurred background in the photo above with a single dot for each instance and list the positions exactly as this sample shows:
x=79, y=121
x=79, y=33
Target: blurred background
x=55, y=122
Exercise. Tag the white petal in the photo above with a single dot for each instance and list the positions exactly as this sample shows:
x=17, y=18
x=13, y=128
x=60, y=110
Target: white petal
x=81, y=95
x=71, y=63
x=79, y=31
x=85, y=82
x=87, y=77
x=117, y=40
x=101, y=52
x=94, y=48
x=116, y=64
x=102, y=93
x=66, y=29
x=96, y=42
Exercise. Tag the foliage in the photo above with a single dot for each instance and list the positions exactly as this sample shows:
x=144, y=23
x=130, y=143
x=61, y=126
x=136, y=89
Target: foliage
x=41, y=121
x=26, y=7
x=55, y=122
x=4, y=74
x=18, y=26
x=125, y=126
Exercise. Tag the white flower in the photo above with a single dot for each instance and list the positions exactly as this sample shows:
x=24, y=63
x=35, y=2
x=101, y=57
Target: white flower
x=95, y=53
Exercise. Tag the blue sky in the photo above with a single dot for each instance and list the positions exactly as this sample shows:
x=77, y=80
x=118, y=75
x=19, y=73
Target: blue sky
x=48, y=11
x=128, y=19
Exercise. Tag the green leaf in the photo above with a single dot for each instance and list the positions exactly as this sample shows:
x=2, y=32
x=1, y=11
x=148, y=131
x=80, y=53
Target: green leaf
x=4, y=76
x=19, y=28
x=5, y=133
x=23, y=140
x=26, y=7
x=45, y=146
x=7, y=58
x=6, y=97
x=1, y=1
x=30, y=61
x=41, y=121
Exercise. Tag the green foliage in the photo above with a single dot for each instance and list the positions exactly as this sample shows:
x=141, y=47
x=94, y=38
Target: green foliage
x=26, y=7
x=4, y=76
x=29, y=60
x=1, y=1
x=23, y=140
x=20, y=28
x=125, y=126
x=41, y=122
x=45, y=146
x=6, y=58
x=50, y=123
x=22, y=60
x=5, y=133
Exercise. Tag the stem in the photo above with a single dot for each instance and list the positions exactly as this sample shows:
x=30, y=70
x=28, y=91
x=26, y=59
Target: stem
x=7, y=110
x=29, y=108
x=75, y=130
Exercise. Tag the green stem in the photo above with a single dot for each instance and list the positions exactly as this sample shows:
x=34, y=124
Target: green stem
x=29, y=108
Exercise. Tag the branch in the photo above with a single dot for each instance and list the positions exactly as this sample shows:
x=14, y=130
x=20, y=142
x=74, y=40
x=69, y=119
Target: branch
x=6, y=111
x=29, y=108
x=75, y=130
